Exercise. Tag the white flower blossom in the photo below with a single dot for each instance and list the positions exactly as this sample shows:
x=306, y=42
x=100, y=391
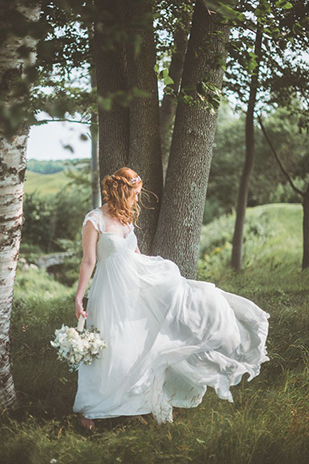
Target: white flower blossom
x=75, y=347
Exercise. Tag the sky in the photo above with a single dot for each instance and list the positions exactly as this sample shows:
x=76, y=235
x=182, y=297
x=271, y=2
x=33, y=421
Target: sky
x=47, y=141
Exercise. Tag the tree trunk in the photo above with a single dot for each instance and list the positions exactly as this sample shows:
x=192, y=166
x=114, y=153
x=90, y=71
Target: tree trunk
x=169, y=103
x=242, y=199
x=178, y=232
x=111, y=73
x=130, y=136
x=12, y=174
x=94, y=161
x=305, y=204
x=145, y=145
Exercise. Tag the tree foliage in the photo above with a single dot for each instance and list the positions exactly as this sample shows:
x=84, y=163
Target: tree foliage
x=284, y=70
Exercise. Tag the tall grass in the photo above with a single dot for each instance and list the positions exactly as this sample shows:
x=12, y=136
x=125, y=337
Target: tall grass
x=268, y=421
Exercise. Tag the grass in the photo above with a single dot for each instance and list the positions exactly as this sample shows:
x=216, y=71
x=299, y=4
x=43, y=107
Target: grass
x=45, y=184
x=28, y=282
x=268, y=421
x=272, y=252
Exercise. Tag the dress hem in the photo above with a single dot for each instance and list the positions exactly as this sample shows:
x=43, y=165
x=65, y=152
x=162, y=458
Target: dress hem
x=100, y=416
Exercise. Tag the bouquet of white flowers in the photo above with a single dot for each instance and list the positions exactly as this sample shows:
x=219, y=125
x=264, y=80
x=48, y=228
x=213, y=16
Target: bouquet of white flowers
x=76, y=345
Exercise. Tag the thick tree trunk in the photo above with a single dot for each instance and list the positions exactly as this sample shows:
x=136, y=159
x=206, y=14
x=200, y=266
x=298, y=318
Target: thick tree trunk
x=178, y=233
x=111, y=72
x=12, y=174
x=169, y=103
x=130, y=136
x=305, y=203
x=145, y=145
x=242, y=199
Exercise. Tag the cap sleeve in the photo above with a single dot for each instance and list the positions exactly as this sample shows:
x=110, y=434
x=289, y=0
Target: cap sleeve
x=94, y=218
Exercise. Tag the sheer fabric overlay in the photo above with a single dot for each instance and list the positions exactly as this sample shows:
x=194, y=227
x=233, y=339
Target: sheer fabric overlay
x=168, y=337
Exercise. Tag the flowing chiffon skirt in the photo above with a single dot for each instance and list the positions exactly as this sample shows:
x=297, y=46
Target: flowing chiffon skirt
x=168, y=338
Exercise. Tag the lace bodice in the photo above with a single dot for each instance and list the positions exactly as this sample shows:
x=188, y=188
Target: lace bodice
x=109, y=243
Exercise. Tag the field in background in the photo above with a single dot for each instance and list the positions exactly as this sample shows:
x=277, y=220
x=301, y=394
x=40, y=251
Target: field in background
x=45, y=184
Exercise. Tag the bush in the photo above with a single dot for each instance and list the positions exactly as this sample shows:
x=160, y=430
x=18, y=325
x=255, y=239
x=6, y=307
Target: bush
x=50, y=218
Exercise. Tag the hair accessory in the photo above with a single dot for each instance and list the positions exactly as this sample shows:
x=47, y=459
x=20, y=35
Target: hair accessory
x=135, y=179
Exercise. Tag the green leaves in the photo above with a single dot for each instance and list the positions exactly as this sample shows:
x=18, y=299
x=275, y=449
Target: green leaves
x=68, y=147
x=168, y=80
x=138, y=40
x=283, y=4
x=123, y=98
x=205, y=93
x=163, y=75
x=105, y=103
x=210, y=95
x=227, y=9
x=136, y=92
x=252, y=62
x=230, y=14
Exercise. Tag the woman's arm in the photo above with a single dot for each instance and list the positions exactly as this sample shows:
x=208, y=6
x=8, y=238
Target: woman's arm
x=89, y=240
x=137, y=250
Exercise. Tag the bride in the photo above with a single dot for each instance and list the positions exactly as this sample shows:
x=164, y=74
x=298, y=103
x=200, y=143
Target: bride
x=168, y=337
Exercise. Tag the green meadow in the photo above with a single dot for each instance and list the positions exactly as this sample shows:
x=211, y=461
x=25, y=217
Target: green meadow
x=45, y=184
x=268, y=421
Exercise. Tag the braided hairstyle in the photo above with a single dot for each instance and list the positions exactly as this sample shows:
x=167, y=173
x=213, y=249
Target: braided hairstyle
x=117, y=191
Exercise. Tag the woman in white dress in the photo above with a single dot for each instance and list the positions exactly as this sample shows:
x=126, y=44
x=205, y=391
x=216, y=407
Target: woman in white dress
x=168, y=337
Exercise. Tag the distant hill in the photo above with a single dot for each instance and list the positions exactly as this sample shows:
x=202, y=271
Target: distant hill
x=49, y=166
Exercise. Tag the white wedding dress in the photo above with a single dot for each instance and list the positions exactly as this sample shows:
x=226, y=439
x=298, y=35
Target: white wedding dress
x=168, y=337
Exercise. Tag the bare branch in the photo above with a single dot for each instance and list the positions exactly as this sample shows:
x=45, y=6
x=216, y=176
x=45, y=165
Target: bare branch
x=45, y=121
x=278, y=160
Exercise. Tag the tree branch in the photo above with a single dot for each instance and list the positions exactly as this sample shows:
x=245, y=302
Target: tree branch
x=278, y=160
x=45, y=121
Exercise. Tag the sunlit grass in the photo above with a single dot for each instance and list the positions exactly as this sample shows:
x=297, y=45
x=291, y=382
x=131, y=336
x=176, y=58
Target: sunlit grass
x=272, y=251
x=37, y=284
x=45, y=184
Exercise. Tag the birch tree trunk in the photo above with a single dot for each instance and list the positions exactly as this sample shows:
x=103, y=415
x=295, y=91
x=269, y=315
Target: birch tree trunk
x=178, y=232
x=12, y=174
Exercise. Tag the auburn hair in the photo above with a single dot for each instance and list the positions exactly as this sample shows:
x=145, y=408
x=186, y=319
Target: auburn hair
x=117, y=191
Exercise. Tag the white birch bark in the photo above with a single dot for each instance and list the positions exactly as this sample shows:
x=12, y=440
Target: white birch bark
x=12, y=174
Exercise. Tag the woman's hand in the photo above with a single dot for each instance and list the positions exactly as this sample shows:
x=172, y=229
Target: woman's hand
x=79, y=309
